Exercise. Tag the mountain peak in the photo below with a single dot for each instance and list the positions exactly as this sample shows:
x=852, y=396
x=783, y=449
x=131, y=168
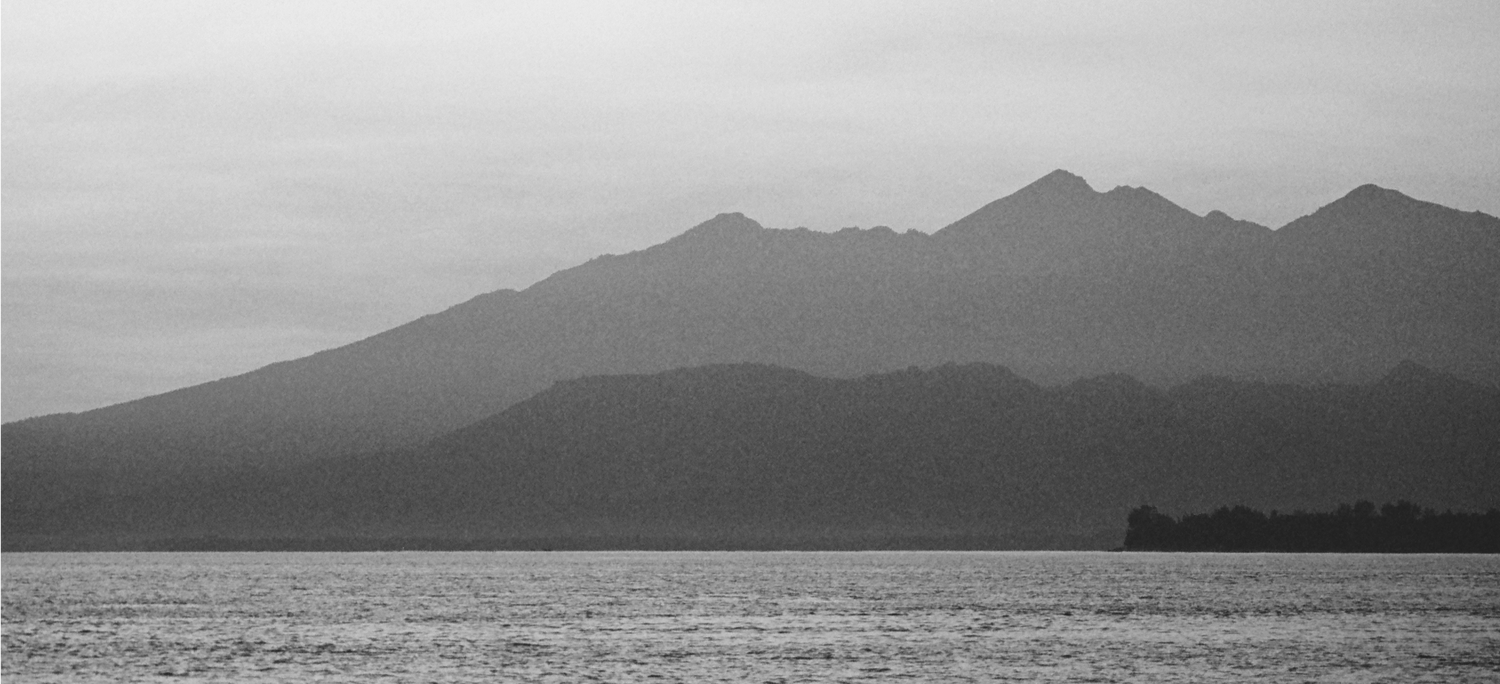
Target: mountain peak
x=1143, y=198
x=1059, y=182
x=1370, y=199
x=1060, y=219
x=1371, y=193
x=1039, y=202
x=724, y=225
x=729, y=221
x=1223, y=221
x=1370, y=218
x=1369, y=188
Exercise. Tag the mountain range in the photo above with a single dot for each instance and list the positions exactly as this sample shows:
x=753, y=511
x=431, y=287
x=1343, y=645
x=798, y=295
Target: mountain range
x=1055, y=282
x=749, y=455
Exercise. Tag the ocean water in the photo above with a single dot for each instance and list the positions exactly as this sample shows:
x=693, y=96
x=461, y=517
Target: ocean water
x=750, y=617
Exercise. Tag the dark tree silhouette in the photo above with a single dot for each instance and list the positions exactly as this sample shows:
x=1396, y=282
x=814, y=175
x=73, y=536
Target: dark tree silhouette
x=1402, y=527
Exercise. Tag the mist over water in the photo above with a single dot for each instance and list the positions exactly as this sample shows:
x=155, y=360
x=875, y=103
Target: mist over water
x=637, y=616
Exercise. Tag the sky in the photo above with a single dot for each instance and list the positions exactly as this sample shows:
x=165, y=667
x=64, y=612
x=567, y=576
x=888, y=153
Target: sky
x=192, y=190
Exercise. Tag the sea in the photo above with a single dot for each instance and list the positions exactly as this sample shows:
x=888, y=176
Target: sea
x=749, y=617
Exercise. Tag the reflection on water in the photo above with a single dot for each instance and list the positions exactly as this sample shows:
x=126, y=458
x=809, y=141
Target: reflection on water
x=750, y=617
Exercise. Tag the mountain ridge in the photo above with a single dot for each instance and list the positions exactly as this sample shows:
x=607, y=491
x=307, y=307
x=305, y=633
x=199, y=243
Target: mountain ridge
x=749, y=454
x=1119, y=281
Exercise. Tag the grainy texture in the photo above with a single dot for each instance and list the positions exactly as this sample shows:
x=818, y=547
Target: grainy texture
x=780, y=617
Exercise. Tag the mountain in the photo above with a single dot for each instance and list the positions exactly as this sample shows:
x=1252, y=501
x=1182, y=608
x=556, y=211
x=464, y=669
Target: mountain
x=1060, y=224
x=1400, y=272
x=749, y=455
x=1056, y=281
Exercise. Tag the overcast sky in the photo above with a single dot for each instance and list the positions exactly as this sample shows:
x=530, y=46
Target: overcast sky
x=192, y=190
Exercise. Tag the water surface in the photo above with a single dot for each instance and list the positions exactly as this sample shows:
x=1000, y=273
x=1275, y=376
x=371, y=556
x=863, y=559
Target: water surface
x=766, y=617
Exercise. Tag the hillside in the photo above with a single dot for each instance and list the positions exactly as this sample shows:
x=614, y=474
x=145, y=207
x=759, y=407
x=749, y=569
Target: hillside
x=1056, y=281
x=755, y=455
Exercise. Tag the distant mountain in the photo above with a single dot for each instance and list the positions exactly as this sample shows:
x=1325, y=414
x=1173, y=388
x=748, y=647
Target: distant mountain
x=1386, y=270
x=1060, y=224
x=1056, y=281
x=762, y=456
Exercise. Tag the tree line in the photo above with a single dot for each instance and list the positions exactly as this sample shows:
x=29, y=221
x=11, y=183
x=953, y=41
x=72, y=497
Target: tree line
x=1401, y=527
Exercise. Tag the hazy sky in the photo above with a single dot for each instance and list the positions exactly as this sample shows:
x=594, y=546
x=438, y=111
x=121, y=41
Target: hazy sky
x=195, y=189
